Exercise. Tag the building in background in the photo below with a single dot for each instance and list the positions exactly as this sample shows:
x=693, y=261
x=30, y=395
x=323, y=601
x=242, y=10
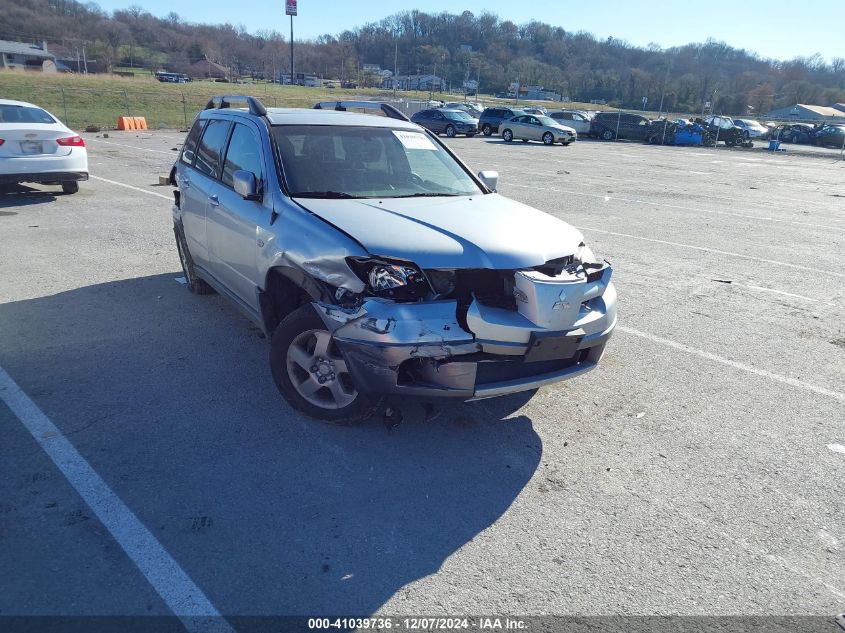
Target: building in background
x=205, y=69
x=804, y=112
x=414, y=82
x=26, y=56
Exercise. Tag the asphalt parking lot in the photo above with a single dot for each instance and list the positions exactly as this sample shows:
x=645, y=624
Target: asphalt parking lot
x=699, y=470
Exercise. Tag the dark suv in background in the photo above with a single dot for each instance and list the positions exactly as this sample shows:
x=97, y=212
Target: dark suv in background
x=492, y=118
x=448, y=122
x=611, y=125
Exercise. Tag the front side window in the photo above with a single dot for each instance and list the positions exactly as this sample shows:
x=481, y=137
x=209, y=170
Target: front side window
x=367, y=162
x=244, y=153
x=211, y=147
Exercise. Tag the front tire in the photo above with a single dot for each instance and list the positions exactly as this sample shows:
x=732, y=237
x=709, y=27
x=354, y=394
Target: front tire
x=70, y=187
x=507, y=135
x=486, y=130
x=548, y=138
x=311, y=373
x=608, y=135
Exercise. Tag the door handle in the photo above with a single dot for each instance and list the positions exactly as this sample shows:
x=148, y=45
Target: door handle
x=212, y=199
x=186, y=183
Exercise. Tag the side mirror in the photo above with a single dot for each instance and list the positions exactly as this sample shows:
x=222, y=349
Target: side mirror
x=489, y=178
x=245, y=185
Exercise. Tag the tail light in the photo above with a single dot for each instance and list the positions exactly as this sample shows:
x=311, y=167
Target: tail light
x=71, y=141
x=2, y=141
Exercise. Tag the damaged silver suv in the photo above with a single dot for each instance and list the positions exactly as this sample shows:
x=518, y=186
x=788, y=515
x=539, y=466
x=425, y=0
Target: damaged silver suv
x=377, y=263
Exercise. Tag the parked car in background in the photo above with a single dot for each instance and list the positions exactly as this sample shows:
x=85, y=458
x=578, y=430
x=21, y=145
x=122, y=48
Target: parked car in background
x=611, y=125
x=535, y=110
x=448, y=122
x=794, y=133
x=578, y=121
x=472, y=109
x=752, y=129
x=491, y=118
x=377, y=264
x=36, y=147
x=723, y=129
x=535, y=127
x=830, y=136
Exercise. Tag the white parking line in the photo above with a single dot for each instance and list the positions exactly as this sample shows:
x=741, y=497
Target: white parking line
x=169, y=580
x=794, y=382
x=780, y=292
x=123, y=184
x=142, y=149
x=837, y=448
x=717, y=251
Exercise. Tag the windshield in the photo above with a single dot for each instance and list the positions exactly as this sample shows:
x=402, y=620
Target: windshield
x=322, y=161
x=547, y=120
x=24, y=114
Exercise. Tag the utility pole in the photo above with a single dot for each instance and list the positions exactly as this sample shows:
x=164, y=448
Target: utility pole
x=291, y=11
x=477, y=79
x=395, y=64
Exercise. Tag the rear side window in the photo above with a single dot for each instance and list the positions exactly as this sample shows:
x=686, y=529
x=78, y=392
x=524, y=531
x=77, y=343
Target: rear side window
x=211, y=147
x=190, y=147
x=243, y=153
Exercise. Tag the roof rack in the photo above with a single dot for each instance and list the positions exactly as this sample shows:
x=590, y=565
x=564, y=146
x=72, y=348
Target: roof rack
x=227, y=101
x=342, y=106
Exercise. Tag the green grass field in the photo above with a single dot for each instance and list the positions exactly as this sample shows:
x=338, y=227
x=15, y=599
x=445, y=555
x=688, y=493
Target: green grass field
x=82, y=100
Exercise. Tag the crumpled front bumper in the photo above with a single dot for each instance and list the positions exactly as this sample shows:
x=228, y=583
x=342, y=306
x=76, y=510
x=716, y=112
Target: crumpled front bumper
x=421, y=350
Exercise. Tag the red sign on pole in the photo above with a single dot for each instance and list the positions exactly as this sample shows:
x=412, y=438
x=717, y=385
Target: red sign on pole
x=290, y=7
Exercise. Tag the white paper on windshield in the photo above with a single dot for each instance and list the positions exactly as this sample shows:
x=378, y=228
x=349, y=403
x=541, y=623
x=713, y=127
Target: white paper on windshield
x=414, y=140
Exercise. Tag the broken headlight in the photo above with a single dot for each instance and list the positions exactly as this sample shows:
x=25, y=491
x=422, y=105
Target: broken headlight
x=388, y=276
x=393, y=279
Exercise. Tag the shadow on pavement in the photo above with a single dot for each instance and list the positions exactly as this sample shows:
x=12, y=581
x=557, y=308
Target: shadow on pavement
x=169, y=397
x=12, y=196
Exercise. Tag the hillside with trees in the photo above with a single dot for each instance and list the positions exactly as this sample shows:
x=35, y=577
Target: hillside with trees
x=460, y=46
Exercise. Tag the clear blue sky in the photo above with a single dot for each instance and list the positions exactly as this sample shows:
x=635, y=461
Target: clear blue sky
x=772, y=28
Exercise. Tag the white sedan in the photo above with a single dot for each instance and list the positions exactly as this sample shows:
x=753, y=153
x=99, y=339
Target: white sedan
x=36, y=147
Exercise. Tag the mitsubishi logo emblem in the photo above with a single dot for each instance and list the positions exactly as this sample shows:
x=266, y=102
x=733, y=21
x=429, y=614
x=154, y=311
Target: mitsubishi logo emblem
x=561, y=303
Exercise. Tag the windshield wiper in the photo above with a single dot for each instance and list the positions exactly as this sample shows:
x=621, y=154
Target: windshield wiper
x=323, y=194
x=427, y=195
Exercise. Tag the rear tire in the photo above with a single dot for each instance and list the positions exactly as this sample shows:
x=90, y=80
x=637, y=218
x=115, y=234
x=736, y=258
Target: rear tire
x=301, y=344
x=450, y=131
x=70, y=187
x=194, y=283
x=608, y=135
x=486, y=130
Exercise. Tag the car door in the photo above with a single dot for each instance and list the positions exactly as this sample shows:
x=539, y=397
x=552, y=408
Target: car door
x=534, y=127
x=438, y=122
x=582, y=123
x=233, y=221
x=424, y=119
x=196, y=179
x=518, y=126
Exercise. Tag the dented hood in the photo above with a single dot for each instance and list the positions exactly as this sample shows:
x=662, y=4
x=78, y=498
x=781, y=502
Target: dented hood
x=480, y=231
